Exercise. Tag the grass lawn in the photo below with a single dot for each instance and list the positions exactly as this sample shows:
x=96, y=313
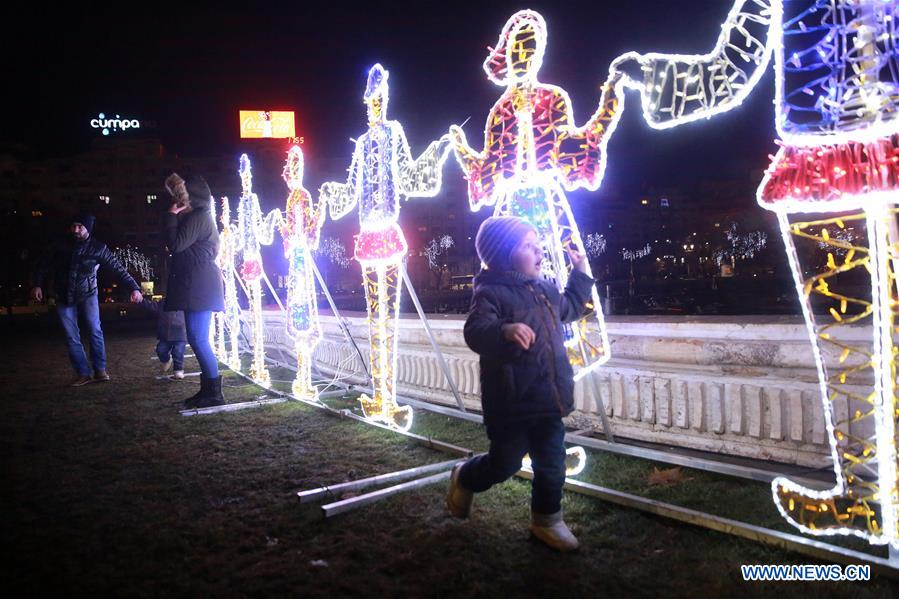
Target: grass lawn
x=108, y=490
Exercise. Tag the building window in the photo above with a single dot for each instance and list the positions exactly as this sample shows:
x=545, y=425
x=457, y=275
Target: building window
x=104, y=199
x=36, y=213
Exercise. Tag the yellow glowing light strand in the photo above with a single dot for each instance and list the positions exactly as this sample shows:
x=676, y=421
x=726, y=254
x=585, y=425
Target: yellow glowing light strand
x=254, y=231
x=533, y=153
x=861, y=42
x=228, y=322
x=575, y=461
x=301, y=230
x=382, y=171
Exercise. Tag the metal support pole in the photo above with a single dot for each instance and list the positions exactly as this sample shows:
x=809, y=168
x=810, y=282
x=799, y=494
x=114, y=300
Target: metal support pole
x=339, y=507
x=233, y=407
x=272, y=289
x=362, y=483
x=600, y=405
x=340, y=320
x=424, y=321
x=782, y=540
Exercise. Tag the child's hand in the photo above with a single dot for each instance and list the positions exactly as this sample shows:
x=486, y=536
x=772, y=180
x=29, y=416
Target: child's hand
x=577, y=257
x=519, y=333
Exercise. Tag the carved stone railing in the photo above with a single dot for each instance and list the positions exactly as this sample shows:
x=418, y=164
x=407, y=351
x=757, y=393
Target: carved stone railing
x=744, y=386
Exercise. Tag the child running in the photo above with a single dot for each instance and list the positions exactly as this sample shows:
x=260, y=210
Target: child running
x=527, y=383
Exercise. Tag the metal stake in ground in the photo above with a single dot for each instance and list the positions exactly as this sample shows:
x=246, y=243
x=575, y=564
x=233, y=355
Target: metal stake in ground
x=339, y=507
x=362, y=483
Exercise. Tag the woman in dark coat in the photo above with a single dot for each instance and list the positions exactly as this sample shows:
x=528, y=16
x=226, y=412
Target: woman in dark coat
x=195, y=282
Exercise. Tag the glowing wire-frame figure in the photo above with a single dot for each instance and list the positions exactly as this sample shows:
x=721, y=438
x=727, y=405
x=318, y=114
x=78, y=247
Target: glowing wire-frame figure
x=254, y=231
x=837, y=115
x=228, y=322
x=382, y=171
x=300, y=231
x=533, y=153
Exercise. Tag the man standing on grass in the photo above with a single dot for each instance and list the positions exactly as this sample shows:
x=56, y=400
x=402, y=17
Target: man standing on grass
x=73, y=263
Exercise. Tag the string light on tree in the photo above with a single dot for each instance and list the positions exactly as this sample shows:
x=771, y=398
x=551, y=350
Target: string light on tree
x=533, y=153
x=836, y=100
x=631, y=255
x=334, y=250
x=135, y=262
x=744, y=246
x=381, y=172
x=596, y=245
x=437, y=247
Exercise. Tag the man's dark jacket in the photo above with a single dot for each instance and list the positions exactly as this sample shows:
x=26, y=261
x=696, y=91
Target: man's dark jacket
x=73, y=266
x=195, y=280
x=521, y=384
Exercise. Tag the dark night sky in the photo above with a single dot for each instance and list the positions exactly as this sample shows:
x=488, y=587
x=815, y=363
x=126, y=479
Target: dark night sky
x=190, y=70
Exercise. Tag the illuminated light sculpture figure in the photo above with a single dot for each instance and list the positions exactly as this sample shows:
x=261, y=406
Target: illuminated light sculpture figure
x=837, y=115
x=381, y=172
x=254, y=231
x=228, y=322
x=300, y=230
x=532, y=154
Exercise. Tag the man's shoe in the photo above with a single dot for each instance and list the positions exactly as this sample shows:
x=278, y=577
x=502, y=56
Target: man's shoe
x=458, y=498
x=213, y=396
x=80, y=380
x=164, y=367
x=178, y=374
x=552, y=530
x=101, y=376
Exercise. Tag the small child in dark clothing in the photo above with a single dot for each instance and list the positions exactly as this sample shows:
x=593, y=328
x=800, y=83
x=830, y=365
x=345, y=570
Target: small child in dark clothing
x=527, y=383
x=171, y=336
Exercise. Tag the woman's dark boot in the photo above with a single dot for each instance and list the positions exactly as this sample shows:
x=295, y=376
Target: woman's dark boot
x=191, y=402
x=213, y=396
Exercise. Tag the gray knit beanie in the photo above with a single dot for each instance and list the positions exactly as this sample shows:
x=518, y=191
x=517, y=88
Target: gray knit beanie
x=497, y=239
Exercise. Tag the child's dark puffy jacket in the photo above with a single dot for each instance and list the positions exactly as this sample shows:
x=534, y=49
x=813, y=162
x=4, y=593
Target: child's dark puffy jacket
x=170, y=326
x=518, y=384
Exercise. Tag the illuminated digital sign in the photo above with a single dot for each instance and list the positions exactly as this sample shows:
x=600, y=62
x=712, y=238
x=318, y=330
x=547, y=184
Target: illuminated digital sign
x=267, y=124
x=112, y=125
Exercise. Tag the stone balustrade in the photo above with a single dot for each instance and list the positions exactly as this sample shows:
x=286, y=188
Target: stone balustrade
x=744, y=386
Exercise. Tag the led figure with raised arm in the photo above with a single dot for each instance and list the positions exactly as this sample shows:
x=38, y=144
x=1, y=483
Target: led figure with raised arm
x=382, y=171
x=254, y=231
x=837, y=115
x=228, y=322
x=533, y=153
x=300, y=230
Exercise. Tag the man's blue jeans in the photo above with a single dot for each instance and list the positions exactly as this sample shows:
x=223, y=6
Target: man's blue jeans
x=197, y=324
x=543, y=439
x=171, y=350
x=89, y=310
